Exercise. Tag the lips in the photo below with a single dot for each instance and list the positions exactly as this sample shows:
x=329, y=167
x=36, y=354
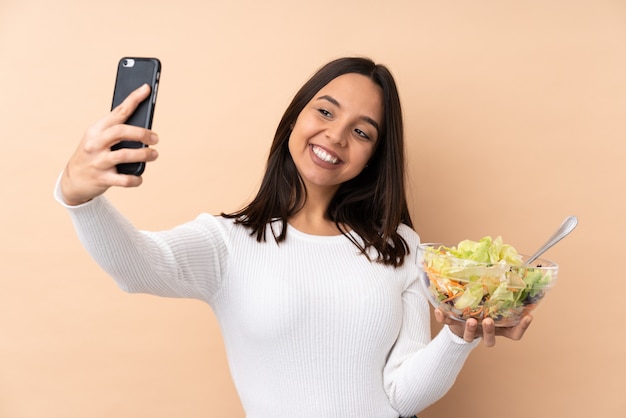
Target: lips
x=325, y=156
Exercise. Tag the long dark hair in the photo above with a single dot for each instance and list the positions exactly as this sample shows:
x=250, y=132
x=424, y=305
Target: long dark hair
x=373, y=204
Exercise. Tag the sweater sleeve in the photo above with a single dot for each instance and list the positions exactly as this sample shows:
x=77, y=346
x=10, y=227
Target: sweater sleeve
x=188, y=261
x=419, y=371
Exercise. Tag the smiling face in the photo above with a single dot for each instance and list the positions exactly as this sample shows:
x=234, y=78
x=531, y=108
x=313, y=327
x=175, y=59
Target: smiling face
x=336, y=133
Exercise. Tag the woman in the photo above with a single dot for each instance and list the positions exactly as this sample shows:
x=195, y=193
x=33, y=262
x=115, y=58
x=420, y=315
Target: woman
x=314, y=282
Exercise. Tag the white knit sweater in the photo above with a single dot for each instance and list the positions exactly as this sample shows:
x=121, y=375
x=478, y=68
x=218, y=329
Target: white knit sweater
x=311, y=328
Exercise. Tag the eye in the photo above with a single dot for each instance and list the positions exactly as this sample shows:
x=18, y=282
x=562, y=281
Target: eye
x=325, y=112
x=361, y=134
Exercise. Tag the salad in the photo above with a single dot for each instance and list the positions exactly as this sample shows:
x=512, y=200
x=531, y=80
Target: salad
x=485, y=278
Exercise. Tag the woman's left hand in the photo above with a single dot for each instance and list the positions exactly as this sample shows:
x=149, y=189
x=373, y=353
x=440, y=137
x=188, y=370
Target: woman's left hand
x=471, y=329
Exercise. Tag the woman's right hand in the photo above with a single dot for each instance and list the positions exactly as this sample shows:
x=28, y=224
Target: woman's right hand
x=91, y=170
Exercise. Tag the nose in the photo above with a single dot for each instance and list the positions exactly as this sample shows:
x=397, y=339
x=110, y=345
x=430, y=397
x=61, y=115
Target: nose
x=336, y=134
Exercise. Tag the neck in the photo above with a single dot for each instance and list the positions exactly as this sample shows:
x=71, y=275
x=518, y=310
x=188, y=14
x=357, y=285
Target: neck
x=311, y=218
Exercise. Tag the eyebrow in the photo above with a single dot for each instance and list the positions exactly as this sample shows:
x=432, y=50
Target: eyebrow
x=364, y=118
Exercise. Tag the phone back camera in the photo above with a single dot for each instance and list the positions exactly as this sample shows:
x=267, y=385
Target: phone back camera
x=128, y=62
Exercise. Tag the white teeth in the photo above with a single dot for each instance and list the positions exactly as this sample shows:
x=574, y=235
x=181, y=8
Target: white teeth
x=323, y=155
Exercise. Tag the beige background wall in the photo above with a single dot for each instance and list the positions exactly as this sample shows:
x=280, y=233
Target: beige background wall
x=515, y=114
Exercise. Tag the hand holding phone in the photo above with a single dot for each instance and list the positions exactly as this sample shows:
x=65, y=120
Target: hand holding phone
x=87, y=173
x=132, y=73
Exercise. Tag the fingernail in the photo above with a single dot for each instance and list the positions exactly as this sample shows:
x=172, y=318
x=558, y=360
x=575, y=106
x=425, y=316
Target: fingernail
x=154, y=138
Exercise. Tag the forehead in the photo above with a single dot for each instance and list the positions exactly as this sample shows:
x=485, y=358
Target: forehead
x=356, y=93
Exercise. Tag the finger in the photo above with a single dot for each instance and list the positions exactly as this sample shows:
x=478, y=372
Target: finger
x=103, y=141
x=456, y=327
x=439, y=316
x=112, y=178
x=489, y=332
x=123, y=111
x=122, y=132
x=518, y=331
x=444, y=319
x=471, y=325
x=131, y=155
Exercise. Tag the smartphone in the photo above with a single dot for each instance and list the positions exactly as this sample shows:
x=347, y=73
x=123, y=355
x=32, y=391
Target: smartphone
x=133, y=72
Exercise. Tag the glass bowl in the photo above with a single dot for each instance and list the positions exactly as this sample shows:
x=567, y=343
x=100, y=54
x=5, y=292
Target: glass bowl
x=464, y=289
